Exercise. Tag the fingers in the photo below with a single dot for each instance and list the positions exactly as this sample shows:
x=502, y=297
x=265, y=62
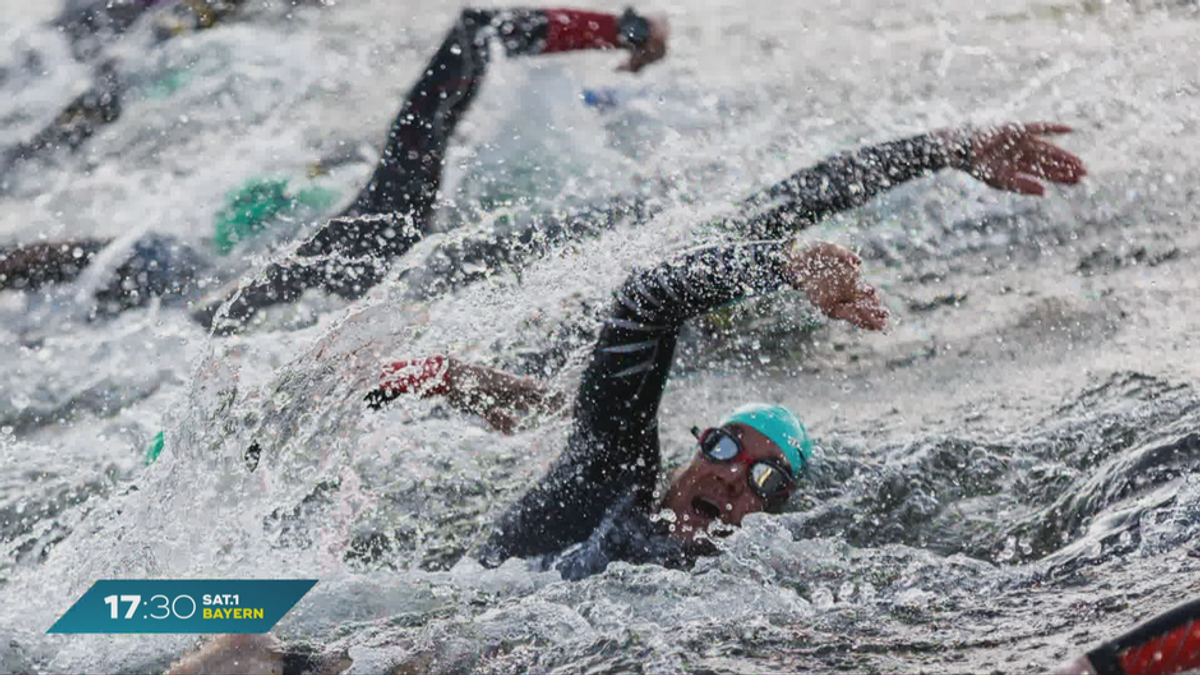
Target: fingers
x=846, y=256
x=1051, y=162
x=852, y=301
x=655, y=47
x=500, y=421
x=1058, y=173
x=1011, y=163
x=831, y=256
x=1047, y=128
x=869, y=311
x=637, y=60
x=1015, y=182
x=866, y=314
x=1020, y=129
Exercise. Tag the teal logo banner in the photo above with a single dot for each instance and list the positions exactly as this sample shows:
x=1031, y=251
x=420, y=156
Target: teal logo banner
x=183, y=606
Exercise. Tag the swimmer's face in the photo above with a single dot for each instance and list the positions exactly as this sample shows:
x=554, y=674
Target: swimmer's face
x=705, y=490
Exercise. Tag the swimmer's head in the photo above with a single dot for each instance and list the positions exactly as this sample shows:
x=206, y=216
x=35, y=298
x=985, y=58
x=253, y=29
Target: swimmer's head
x=748, y=463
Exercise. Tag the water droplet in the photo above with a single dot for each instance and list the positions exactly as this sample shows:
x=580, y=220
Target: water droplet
x=20, y=401
x=1010, y=550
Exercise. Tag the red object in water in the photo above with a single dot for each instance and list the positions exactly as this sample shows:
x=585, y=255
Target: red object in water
x=427, y=377
x=1172, y=652
x=576, y=29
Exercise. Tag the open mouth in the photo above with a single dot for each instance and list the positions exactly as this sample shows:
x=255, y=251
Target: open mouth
x=706, y=508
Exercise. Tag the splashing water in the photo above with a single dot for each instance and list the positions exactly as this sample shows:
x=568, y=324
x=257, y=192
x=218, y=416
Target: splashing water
x=1003, y=480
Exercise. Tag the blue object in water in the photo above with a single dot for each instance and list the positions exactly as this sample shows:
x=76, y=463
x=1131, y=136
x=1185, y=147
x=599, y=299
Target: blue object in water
x=601, y=99
x=162, y=264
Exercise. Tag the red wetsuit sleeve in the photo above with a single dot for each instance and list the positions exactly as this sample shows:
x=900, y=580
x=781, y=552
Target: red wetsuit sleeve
x=1168, y=643
x=571, y=29
x=1173, y=652
x=427, y=377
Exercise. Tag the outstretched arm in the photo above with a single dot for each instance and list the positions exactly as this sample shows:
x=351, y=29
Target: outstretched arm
x=96, y=107
x=613, y=446
x=1007, y=157
x=350, y=254
x=493, y=394
x=32, y=266
x=156, y=267
x=409, y=172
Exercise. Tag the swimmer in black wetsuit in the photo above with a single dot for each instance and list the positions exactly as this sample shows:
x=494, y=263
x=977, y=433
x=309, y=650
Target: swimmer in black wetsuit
x=350, y=254
x=91, y=26
x=1008, y=157
x=597, y=502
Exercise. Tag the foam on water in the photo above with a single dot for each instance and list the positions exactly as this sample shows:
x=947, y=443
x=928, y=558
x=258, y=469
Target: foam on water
x=1005, y=477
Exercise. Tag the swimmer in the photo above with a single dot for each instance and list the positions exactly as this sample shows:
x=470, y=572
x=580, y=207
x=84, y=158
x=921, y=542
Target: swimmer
x=350, y=255
x=597, y=503
x=91, y=26
x=406, y=180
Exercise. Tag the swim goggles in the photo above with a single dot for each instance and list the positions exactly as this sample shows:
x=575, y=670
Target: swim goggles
x=768, y=479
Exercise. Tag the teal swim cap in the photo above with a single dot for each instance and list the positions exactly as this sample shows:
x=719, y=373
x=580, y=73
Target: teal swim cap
x=781, y=426
x=252, y=208
x=155, y=448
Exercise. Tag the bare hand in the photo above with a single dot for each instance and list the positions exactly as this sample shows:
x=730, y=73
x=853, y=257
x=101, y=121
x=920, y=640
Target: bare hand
x=233, y=654
x=653, y=49
x=1009, y=157
x=499, y=397
x=831, y=276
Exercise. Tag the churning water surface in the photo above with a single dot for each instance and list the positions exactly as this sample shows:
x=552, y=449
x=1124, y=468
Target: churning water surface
x=1005, y=478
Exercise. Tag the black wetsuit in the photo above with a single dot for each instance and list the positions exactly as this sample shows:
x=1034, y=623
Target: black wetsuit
x=836, y=184
x=92, y=26
x=352, y=253
x=803, y=199
x=599, y=492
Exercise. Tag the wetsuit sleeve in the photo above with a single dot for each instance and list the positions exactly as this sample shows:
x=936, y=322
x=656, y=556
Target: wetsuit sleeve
x=613, y=446
x=1168, y=643
x=96, y=107
x=845, y=182
x=350, y=254
x=347, y=258
x=409, y=172
x=461, y=261
x=32, y=266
